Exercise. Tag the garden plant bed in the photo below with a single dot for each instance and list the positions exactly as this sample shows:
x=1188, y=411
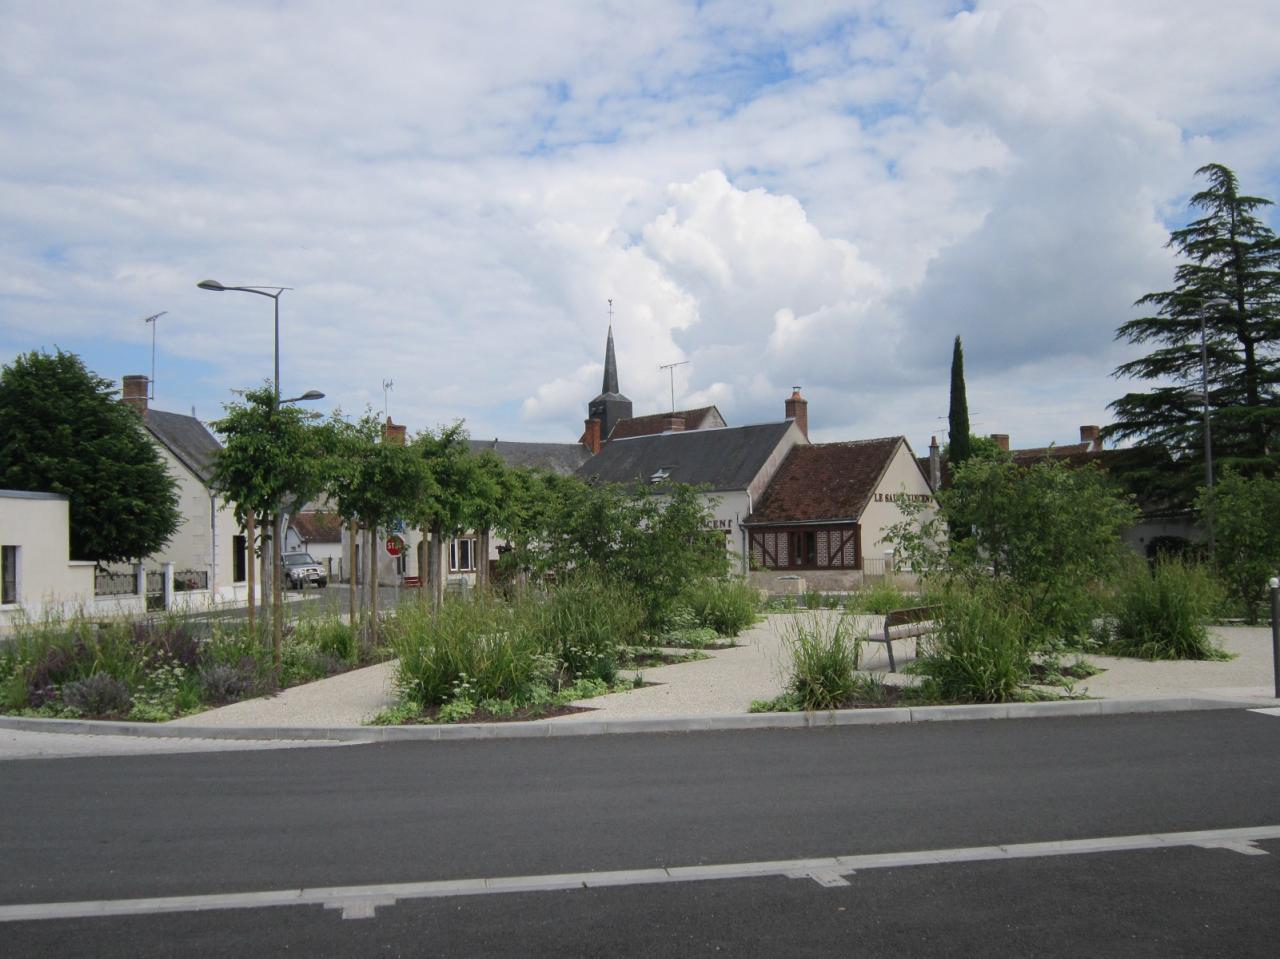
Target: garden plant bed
x=648, y=658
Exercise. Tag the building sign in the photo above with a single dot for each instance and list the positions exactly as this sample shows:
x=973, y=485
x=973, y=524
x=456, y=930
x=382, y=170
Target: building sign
x=903, y=498
x=725, y=524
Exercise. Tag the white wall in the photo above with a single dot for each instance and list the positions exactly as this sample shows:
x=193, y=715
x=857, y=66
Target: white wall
x=902, y=475
x=48, y=581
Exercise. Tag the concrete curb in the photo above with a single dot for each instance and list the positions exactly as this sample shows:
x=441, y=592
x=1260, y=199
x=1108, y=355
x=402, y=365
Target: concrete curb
x=545, y=728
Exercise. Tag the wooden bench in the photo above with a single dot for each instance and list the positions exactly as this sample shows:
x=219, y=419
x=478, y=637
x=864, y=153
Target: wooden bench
x=411, y=581
x=906, y=624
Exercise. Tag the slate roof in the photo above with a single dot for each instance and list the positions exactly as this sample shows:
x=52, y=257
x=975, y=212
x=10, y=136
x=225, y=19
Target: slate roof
x=728, y=458
x=560, y=458
x=318, y=527
x=825, y=481
x=705, y=417
x=187, y=439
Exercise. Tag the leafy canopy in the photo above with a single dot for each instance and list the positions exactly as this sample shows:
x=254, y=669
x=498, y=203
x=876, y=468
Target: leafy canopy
x=62, y=430
x=1245, y=512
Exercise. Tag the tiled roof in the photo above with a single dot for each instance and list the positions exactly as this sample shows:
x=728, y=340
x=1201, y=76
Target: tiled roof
x=825, y=481
x=561, y=458
x=705, y=417
x=1066, y=451
x=728, y=458
x=187, y=439
x=318, y=527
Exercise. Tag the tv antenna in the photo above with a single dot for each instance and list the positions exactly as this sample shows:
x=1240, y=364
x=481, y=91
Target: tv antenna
x=152, y=320
x=671, y=368
x=386, y=401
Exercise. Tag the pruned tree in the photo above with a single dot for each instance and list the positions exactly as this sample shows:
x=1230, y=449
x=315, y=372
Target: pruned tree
x=1226, y=290
x=271, y=455
x=62, y=430
x=958, y=411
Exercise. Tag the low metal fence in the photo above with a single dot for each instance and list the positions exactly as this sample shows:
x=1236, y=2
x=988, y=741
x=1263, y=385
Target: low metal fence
x=114, y=584
x=185, y=580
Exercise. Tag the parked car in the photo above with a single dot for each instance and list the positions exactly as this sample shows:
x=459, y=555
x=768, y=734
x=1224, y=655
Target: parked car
x=301, y=571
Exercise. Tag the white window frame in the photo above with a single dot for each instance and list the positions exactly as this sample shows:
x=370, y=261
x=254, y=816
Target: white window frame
x=10, y=570
x=454, y=552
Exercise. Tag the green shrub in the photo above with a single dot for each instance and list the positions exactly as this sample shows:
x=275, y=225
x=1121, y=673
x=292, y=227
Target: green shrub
x=98, y=695
x=824, y=651
x=979, y=652
x=497, y=649
x=331, y=636
x=1162, y=612
x=726, y=605
x=224, y=683
x=589, y=621
x=698, y=637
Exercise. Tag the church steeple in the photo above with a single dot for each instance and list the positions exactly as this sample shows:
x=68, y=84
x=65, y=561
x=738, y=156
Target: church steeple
x=610, y=366
x=610, y=406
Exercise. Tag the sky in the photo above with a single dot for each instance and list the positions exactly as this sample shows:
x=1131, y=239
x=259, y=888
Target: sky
x=822, y=194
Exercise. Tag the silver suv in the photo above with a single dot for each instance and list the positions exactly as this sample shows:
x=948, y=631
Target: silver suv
x=301, y=571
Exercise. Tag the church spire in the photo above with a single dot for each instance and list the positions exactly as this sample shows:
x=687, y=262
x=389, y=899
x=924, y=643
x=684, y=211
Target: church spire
x=610, y=365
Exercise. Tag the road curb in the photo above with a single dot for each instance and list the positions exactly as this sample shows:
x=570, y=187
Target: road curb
x=677, y=724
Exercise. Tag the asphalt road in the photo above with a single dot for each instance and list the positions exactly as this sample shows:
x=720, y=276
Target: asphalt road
x=230, y=823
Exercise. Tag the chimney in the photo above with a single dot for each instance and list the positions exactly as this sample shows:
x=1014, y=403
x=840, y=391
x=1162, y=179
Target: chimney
x=591, y=435
x=393, y=434
x=798, y=409
x=1091, y=435
x=935, y=464
x=1002, y=441
x=673, y=424
x=135, y=392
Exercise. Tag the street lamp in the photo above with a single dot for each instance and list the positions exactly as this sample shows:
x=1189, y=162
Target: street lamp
x=1217, y=301
x=277, y=599
x=271, y=291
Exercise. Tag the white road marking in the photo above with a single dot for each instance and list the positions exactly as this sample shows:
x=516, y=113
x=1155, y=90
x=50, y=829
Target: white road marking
x=1269, y=711
x=361, y=902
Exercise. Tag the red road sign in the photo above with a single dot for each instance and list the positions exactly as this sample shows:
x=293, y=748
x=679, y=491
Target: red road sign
x=395, y=546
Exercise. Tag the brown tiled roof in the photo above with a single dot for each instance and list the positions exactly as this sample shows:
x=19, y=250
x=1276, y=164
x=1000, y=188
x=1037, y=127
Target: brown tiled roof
x=656, y=423
x=1066, y=451
x=318, y=527
x=825, y=481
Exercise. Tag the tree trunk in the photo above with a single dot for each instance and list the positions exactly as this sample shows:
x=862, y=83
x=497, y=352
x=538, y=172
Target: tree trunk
x=353, y=577
x=250, y=535
x=424, y=570
x=264, y=571
x=437, y=566
x=482, y=558
x=277, y=598
x=373, y=590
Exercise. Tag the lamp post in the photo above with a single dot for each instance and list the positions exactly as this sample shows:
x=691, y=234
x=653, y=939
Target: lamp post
x=277, y=597
x=1217, y=301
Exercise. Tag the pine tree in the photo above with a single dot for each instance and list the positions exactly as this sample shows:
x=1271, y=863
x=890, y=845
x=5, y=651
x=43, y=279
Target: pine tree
x=1228, y=291
x=958, y=416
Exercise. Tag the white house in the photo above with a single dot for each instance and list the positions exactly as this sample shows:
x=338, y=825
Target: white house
x=37, y=578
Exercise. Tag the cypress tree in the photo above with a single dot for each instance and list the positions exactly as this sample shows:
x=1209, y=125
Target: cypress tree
x=958, y=416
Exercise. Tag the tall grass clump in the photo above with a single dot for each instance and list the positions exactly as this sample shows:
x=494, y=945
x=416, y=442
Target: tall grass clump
x=880, y=598
x=470, y=648
x=1162, y=611
x=589, y=620
x=824, y=650
x=979, y=652
x=726, y=605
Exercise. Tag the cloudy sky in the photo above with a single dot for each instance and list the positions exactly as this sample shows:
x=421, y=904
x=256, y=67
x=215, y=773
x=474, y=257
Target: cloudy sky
x=822, y=194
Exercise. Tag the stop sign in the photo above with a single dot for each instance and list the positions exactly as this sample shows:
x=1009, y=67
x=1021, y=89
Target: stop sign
x=395, y=546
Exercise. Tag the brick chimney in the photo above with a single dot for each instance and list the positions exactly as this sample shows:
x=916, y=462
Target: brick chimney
x=797, y=408
x=1092, y=436
x=935, y=464
x=673, y=424
x=135, y=392
x=591, y=435
x=393, y=434
x=1001, y=440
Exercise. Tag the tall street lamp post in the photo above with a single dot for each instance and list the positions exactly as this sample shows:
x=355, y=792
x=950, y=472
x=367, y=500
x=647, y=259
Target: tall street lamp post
x=277, y=596
x=1217, y=301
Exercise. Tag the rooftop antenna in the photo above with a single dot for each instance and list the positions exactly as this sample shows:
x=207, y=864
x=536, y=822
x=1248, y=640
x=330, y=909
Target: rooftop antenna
x=386, y=402
x=671, y=367
x=152, y=320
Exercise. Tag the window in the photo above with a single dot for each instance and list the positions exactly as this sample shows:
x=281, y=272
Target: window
x=239, y=558
x=8, y=574
x=814, y=547
x=462, y=556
